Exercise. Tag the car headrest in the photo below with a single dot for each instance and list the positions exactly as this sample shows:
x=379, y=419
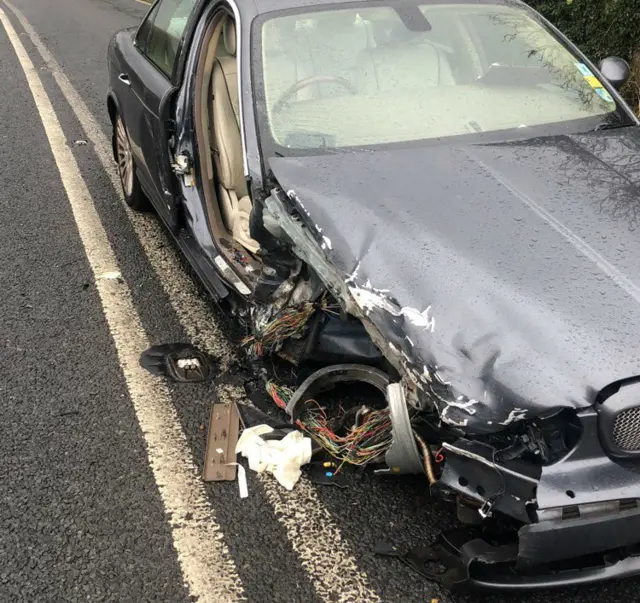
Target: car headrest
x=229, y=36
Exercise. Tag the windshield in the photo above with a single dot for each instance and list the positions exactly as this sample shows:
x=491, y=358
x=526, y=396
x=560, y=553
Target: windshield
x=375, y=74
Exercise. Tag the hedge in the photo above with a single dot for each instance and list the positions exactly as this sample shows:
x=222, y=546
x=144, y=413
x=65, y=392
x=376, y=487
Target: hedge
x=601, y=28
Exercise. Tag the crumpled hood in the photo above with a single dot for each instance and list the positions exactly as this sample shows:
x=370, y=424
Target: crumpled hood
x=525, y=256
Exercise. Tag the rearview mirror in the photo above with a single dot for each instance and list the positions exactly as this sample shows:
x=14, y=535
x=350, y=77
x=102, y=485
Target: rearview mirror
x=616, y=70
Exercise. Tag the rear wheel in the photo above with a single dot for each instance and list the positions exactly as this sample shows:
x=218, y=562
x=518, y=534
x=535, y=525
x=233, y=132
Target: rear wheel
x=131, y=188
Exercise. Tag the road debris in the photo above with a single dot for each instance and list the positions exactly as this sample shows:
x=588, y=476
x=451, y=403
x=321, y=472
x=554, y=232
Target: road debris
x=281, y=457
x=180, y=362
x=420, y=559
x=80, y=143
x=243, y=489
x=324, y=474
x=220, y=455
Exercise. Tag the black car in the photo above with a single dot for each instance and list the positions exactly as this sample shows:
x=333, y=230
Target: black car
x=439, y=198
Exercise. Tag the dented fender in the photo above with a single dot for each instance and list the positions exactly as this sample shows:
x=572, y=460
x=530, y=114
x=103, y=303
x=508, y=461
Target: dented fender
x=387, y=322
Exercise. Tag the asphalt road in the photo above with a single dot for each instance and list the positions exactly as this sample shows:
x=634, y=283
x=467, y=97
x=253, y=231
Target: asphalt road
x=100, y=497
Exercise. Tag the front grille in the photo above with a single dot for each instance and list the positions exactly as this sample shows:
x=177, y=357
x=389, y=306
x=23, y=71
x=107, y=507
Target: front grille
x=626, y=430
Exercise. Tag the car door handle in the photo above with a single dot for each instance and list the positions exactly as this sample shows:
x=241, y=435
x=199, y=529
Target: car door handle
x=124, y=78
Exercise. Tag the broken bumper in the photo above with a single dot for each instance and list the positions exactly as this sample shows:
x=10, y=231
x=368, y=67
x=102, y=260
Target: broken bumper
x=474, y=564
x=579, y=518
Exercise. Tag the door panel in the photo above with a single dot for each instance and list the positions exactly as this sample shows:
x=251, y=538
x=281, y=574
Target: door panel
x=149, y=87
x=121, y=83
x=149, y=67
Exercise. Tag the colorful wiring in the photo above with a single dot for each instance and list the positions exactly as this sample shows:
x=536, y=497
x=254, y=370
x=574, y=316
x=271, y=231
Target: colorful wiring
x=280, y=394
x=290, y=322
x=363, y=442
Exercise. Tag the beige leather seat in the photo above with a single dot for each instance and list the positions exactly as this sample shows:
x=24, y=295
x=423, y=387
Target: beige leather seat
x=233, y=196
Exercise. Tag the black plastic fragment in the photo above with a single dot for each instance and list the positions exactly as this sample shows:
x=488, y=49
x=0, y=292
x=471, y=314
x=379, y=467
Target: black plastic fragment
x=180, y=362
x=418, y=558
x=250, y=416
x=261, y=400
x=324, y=476
x=386, y=549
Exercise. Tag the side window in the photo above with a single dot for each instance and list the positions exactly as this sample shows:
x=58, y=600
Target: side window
x=145, y=27
x=166, y=31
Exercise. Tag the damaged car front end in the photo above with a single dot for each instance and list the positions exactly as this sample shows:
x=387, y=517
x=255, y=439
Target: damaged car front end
x=548, y=495
x=477, y=270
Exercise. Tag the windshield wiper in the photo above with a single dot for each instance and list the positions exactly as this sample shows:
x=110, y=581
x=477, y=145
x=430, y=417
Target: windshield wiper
x=605, y=125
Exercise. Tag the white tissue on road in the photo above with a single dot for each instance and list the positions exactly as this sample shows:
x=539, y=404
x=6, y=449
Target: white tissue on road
x=283, y=458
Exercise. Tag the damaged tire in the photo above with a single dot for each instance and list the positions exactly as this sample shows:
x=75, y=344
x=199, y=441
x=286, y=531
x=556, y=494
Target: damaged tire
x=133, y=194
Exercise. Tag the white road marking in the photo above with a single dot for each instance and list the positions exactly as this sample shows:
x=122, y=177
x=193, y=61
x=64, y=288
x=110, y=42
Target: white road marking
x=314, y=535
x=206, y=565
x=193, y=312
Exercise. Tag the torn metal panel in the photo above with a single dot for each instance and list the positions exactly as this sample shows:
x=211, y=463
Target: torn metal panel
x=471, y=470
x=307, y=248
x=366, y=299
x=382, y=317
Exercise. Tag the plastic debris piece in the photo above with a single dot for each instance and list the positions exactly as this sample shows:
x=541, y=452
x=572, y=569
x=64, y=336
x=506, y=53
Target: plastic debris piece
x=419, y=559
x=242, y=480
x=80, y=142
x=283, y=458
x=220, y=455
x=386, y=549
x=250, y=416
x=320, y=476
x=181, y=362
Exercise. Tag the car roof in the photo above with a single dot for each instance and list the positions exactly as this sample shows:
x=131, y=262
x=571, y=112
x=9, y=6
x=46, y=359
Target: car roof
x=258, y=7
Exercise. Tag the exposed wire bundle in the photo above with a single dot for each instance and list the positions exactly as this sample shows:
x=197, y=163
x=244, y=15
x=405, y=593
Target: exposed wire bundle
x=280, y=394
x=288, y=323
x=363, y=442
x=366, y=440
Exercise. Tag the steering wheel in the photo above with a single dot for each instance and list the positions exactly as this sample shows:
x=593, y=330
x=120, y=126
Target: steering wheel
x=310, y=81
